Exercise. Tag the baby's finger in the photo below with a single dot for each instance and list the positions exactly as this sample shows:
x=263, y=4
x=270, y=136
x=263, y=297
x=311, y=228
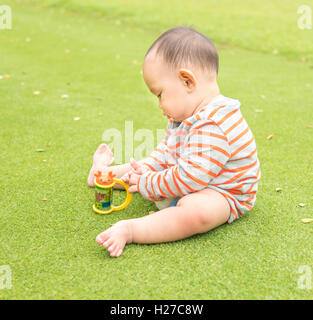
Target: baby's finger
x=136, y=167
x=138, y=171
x=125, y=177
x=134, y=164
x=134, y=179
x=132, y=189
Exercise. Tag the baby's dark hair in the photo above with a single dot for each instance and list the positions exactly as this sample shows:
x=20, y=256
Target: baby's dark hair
x=182, y=45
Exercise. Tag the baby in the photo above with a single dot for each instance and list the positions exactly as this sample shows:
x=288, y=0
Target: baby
x=205, y=172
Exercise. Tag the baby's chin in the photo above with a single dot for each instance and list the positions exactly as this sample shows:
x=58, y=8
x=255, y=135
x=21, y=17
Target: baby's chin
x=170, y=118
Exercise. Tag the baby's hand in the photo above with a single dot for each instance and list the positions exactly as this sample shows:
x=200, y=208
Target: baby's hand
x=133, y=175
x=131, y=178
x=137, y=167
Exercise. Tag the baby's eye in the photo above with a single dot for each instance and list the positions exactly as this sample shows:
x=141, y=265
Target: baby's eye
x=159, y=95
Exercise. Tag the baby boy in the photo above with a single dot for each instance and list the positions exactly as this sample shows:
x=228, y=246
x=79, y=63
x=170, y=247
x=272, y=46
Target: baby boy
x=205, y=172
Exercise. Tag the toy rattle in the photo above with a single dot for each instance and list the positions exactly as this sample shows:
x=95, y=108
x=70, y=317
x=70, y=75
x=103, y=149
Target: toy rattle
x=104, y=193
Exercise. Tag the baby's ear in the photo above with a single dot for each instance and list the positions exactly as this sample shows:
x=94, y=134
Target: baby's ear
x=188, y=78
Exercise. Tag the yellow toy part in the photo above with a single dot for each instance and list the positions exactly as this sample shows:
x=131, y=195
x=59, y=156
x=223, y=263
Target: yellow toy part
x=108, y=189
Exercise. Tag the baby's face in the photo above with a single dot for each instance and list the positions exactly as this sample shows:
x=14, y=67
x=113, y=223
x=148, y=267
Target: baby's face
x=175, y=98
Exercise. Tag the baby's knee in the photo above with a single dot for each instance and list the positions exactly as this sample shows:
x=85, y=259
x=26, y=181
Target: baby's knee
x=199, y=213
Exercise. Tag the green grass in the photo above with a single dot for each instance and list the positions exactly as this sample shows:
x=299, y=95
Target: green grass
x=86, y=50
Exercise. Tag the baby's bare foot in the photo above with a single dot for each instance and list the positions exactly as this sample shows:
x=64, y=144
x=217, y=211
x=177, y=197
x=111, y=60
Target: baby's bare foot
x=116, y=237
x=102, y=158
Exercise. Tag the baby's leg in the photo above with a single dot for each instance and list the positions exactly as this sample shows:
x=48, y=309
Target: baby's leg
x=195, y=213
x=102, y=161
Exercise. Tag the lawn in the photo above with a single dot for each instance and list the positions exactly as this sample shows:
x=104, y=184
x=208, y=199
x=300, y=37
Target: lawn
x=84, y=59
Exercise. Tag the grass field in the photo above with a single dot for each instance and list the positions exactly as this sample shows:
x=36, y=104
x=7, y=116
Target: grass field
x=92, y=53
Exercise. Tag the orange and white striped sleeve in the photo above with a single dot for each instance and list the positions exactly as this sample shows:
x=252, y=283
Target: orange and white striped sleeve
x=156, y=160
x=198, y=162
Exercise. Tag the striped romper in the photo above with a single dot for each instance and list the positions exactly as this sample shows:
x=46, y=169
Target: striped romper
x=214, y=148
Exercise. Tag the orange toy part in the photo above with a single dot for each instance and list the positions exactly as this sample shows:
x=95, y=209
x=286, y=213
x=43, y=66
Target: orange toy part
x=104, y=179
x=110, y=177
x=98, y=176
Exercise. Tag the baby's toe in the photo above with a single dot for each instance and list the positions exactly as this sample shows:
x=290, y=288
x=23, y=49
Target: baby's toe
x=101, y=148
x=112, y=248
x=116, y=252
x=102, y=237
x=108, y=243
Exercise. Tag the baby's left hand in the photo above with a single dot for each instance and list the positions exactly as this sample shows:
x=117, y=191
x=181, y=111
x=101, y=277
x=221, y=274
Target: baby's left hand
x=133, y=175
x=131, y=178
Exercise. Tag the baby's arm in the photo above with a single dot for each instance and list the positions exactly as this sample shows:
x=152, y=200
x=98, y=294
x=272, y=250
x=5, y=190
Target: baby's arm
x=203, y=157
x=156, y=160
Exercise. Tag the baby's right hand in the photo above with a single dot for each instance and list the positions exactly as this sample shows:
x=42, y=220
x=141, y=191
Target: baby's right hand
x=131, y=178
x=126, y=177
x=137, y=170
x=137, y=167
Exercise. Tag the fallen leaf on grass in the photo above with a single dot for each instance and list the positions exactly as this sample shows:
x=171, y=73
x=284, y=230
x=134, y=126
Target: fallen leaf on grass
x=40, y=150
x=76, y=118
x=309, y=126
x=36, y=93
x=44, y=199
x=307, y=220
x=301, y=204
x=271, y=136
x=278, y=189
x=64, y=96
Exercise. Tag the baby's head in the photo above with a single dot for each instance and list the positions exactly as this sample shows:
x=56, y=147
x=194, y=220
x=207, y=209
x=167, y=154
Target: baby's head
x=181, y=68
